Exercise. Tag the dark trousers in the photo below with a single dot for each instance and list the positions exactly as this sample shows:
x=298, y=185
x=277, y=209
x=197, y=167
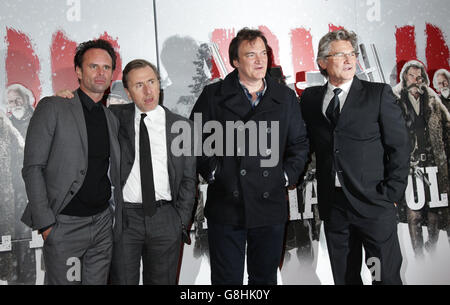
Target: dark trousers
x=156, y=239
x=227, y=253
x=78, y=250
x=345, y=229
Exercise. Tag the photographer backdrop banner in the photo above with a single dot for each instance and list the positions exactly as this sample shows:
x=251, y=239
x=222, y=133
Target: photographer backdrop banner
x=188, y=40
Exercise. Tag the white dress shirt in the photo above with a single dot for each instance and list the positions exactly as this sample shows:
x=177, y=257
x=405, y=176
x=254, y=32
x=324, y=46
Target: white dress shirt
x=342, y=98
x=155, y=121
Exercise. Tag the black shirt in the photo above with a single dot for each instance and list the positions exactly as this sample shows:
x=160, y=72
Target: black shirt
x=94, y=194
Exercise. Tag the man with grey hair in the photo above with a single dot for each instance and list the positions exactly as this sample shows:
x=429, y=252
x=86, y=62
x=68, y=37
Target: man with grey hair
x=359, y=136
x=441, y=81
x=19, y=106
x=428, y=123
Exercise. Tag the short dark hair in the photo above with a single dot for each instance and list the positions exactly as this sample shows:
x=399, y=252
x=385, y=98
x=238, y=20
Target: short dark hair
x=244, y=34
x=137, y=64
x=94, y=44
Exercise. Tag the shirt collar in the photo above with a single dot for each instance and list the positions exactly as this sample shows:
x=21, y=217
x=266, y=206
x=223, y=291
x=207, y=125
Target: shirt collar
x=87, y=101
x=345, y=87
x=259, y=94
x=157, y=112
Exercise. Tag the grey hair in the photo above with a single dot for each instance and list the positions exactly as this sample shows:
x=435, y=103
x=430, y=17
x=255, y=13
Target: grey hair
x=23, y=91
x=325, y=42
x=437, y=73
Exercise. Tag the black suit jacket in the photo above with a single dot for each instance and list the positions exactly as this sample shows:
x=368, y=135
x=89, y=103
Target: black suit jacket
x=182, y=169
x=369, y=148
x=244, y=193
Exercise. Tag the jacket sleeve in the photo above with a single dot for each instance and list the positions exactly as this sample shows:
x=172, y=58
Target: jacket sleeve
x=187, y=190
x=396, y=145
x=297, y=146
x=37, y=149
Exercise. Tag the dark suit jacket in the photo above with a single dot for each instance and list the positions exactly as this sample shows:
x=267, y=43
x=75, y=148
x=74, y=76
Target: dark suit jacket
x=244, y=193
x=182, y=169
x=369, y=148
x=56, y=157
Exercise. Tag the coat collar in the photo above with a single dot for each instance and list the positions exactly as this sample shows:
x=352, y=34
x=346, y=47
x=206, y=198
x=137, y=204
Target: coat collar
x=233, y=98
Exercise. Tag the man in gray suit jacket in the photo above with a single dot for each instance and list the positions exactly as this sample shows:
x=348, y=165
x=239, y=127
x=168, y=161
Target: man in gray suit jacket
x=158, y=182
x=71, y=173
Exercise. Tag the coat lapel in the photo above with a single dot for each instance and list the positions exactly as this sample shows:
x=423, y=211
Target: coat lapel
x=232, y=94
x=271, y=99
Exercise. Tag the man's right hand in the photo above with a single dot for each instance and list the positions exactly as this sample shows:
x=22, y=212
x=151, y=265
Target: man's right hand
x=65, y=93
x=46, y=233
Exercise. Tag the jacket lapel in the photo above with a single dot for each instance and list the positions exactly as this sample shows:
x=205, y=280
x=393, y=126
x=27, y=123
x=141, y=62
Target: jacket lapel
x=127, y=125
x=351, y=102
x=77, y=111
x=170, y=119
x=319, y=105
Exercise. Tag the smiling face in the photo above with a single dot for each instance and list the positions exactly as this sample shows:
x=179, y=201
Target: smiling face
x=95, y=73
x=340, y=70
x=143, y=88
x=252, y=61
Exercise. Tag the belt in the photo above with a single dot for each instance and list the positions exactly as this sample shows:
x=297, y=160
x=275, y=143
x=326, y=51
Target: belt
x=138, y=205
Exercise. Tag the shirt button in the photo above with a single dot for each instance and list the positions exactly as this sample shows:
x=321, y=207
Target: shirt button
x=243, y=172
x=268, y=152
x=241, y=128
x=266, y=195
x=269, y=130
x=236, y=194
x=265, y=173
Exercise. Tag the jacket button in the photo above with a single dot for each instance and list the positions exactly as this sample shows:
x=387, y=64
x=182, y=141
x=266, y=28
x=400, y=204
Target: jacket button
x=235, y=194
x=243, y=172
x=337, y=151
x=265, y=173
x=266, y=195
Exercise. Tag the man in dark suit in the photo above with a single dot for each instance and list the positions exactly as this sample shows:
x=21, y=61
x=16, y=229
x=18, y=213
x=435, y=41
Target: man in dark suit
x=71, y=173
x=157, y=181
x=360, y=139
x=246, y=200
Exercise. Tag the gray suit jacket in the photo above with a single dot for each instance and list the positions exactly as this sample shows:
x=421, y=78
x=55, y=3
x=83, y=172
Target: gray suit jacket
x=182, y=169
x=56, y=157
